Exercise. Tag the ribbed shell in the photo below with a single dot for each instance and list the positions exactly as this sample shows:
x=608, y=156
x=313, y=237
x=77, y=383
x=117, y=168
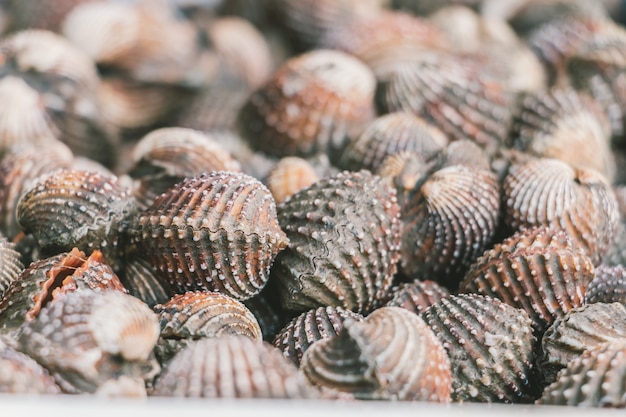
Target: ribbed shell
x=200, y=314
x=309, y=327
x=549, y=192
x=10, y=264
x=596, y=379
x=312, y=103
x=566, y=125
x=216, y=232
x=85, y=339
x=490, y=346
x=538, y=270
x=608, y=285
x=231, y=367
x=391, y=355
x=391, y=134
x=141, y=281
x=75, y=208
x=448, y=222
x=21, y=374
x=344, y=234
x=290, y=175
x=581, y=329
x=416, y=296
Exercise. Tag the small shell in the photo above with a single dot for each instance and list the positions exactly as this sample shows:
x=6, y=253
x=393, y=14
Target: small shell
x=416, y=296
x=290, y=175
x=608, y=285
x=214, y=232
x=141, y=281
x=581, y=329
x=312, y=103
x=490, y=346
x=85, y=339
x=231, y=367
x=309, y=327
x=21, y=374
x=538, y=270
x=344, y=234
x=196, y=315
x=391, y=355
x=10, y=264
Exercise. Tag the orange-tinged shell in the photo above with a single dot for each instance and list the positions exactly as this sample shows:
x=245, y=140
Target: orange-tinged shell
x=391, y=355
x=216, y=232
x=608, y=285
x=21, y=374
x=538, y=270
x=416, y=296
x=10, y=264
x=232, y=367
x=290, y=175
x=490, y=346
x=312, y=103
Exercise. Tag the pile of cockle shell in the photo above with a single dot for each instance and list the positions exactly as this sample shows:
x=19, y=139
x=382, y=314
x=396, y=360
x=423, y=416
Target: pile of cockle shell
x=413, y=200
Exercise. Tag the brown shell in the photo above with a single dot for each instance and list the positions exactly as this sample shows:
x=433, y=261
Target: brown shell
x=141, y=281
x=86, y=339
x=312, y=103
x=200, y=314
x=309, y=327
x=21, y=374
x=549, y=192
x=232, y=367
x=27, y=14
x=391, y=134
x=416, y=296
x=448, y=222
x=10, y=264
x=391, y=355
x=270, y=315
x=595, y=379
x=344, y=234
x=538, y=270
x=490, y=346
x=214, y=232
x=608, y=285
x=581, y=329
x=290, y=175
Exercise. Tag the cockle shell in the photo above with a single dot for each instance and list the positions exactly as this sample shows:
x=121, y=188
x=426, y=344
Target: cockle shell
x=391, y=355
x=10, y=264
x=416, y=296
x=231, y=367
x=26, y=14
x=21, y=374
x=490, y=346
x=608, y=285
x=344, y=234
x=140, y=279
x=290, y=175
x=312, y=103
x=309, y=327
x=216, y=232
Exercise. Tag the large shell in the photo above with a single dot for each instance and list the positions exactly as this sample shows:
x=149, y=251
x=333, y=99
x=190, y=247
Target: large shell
x=216, y=232
x=581, y=329
x=490, y=346
x=595, y=379
x=538, y=270
x=608, y=285
x=309, y=327
x=391, y=355
x=310, y=105
x=416, y=296
x=199, y=314
x=10, y=264
x=290, y=175
x=231, y=367
x=344, y=234
x=86, y=339
x=549, y=192
x=21, y=374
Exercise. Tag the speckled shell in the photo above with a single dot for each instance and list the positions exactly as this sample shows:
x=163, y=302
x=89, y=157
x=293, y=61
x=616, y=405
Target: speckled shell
x=232, y=367
x=538, y=270
x=549, y=192
x=595, y=379
x=566, y=125
x=74, y=208
x=391, y=355
x=199, y=314
x=581, y=329
x=21, y=374
x=416, y=296
x=608, y=285
x=490, y=346
x=310, y=105
x=140, y=279
x=10, y=264
x=344, y=234
x=390, y=134
x=290, y=175
x=448, y=222
x=309, y=327
x=215, y=232
x=86, y=339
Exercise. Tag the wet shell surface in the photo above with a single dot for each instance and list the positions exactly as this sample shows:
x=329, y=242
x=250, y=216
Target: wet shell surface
x=214, y=232
x=581, y=329
x=538, y=270
x=344, y=234
x=231, y=367
x=290, y=175
x=309, y=327
x=21, y=374
x=416, y=296
x=490, y=346
x=312, y=103
x=391, y=355
x=10, y=264
x=608, y=285
x=195, y=315
x=86, y=339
